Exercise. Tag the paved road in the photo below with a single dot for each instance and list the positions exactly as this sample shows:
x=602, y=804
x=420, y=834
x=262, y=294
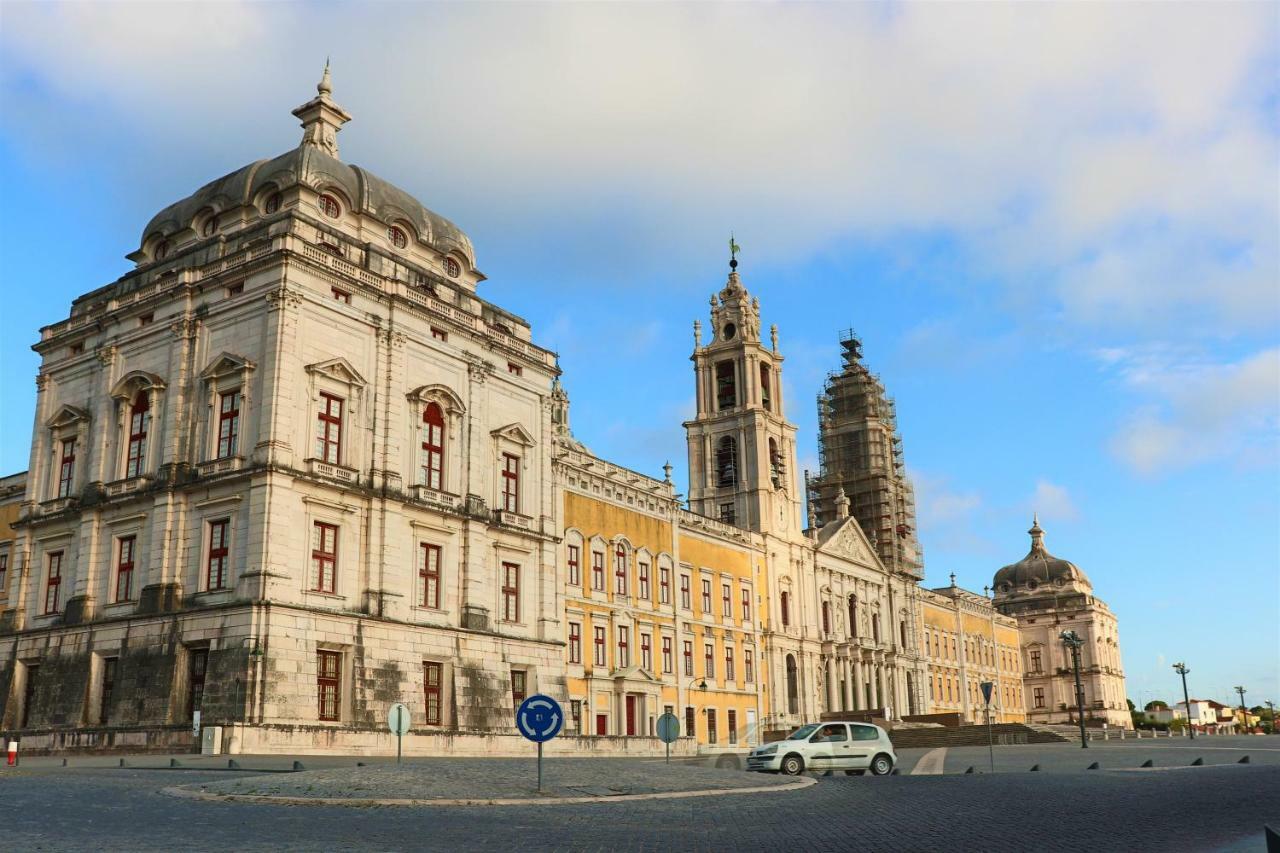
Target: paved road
x=1198, y=809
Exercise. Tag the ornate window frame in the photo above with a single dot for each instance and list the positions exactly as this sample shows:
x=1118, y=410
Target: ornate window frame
x=124, y=393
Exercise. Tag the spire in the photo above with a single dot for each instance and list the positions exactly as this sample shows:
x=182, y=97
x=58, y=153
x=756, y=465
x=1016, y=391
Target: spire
x=1037, y=535
x=322, y=118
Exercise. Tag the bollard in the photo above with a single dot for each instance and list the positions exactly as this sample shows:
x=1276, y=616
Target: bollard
x=1093, y=766
x=122, y=762
x=1035, y=768
x=13, y=753
x=297, y=765
x=1244, y=760
x=1199, y=762
x=1148, y=763
x=969, y=771
x=359, y=764
x=173, y=762
x=232, y=764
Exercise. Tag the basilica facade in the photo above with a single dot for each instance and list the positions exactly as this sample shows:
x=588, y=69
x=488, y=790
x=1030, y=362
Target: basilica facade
x=292, y=468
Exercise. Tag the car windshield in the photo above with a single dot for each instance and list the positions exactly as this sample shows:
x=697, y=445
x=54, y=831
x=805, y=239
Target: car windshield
x=803, y=732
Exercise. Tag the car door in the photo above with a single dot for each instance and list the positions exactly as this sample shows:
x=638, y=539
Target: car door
x=828, y=747
x=862, y=746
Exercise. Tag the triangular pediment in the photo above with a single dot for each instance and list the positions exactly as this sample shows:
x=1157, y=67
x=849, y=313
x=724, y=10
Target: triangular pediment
x=67, y=415
x=340, y=369
x=635, y=673
x=845, y=538
x=514, y=432
x=226, y=364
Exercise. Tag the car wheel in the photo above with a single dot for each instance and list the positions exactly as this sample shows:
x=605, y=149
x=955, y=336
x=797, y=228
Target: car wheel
x=727, y=762
x=881, y=765
x=793, y=765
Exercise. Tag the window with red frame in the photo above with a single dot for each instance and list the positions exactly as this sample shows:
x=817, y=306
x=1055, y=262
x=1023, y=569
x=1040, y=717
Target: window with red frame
x=746, y=605
x=598, y=634
x=341, y=295
x=228, y=423
x=124, y=568
x=514, y=369
x=646, y=652
x=575, y=565
x=429, y=575
x=329, y=430
x=784, y=602
x=433, y=685
x=688, y=657
x=728, y=664
x=67, y=468
x=519, y=686
x=139, y=423
x=748, y=665
x=597, y=570
x=510, y=483
x=706, y=597
x=397, y=237
x=712, y=735
x=726, y=600
x=329, y=206
x=732, y=716
x=215, y=576
x=709, y=660
x=53, y=583
x=685, y=597
x=439, y=334
x=624, y=649
x=664, y=585
x=510, y=592
x=642, y=578
x=4, y=572
x=620, y=571
x=324, y=557
x=433, y=447
x=575, y=642
x=328, y=685
x=667, y=661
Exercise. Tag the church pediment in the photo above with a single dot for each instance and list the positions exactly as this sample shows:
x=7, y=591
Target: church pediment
x=635, y=673
x=340, y=369
x=514, y=432
x=226, y=364
x=67, y=415
x=847, y=540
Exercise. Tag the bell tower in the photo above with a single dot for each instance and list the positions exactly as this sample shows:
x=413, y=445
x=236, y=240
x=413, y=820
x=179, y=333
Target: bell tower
x=742, y=454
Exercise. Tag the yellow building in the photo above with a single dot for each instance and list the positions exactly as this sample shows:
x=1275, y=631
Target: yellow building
x=966, y=642
x=661, y=609
x=11, y=491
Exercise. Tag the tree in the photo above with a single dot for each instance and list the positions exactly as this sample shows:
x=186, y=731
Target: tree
x=1132, y=707
x=1156, y=703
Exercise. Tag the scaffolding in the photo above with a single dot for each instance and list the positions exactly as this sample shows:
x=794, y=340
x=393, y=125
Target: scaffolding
x=860, y=454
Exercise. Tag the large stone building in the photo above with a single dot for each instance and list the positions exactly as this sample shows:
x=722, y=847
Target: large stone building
x=292, y=468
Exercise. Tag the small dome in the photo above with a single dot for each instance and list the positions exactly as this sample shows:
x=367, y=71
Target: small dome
x=1039, y=569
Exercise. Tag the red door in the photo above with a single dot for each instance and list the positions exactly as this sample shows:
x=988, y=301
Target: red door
x=631, y=716
x=602, y=724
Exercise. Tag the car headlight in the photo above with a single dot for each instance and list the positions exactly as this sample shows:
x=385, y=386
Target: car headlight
x=767, y=750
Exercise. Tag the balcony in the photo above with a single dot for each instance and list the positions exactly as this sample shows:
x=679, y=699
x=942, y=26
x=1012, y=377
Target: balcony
x=330, y=471
x=513, y=519
x=127, y=486
x=434, y=497
x=225, y=465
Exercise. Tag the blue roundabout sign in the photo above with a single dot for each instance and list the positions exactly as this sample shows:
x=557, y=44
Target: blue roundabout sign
x=539, y=718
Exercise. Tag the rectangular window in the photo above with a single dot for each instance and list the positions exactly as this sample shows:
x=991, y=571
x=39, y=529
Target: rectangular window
x=689, y=721
x=519, y=686
x=514, y=369
x=439, y=334
x=235, y=289
x=726, y=386
x=598, y=634
x=575, y=566
x=646, y=652
x=1039, y=697
x=433, y=681
x=597, y=570
x=748, y=665
x=139, y=425
x=328, y=680
x=664, y=585
x=706, y=597
x=642, y=573
x=667, y=661
x=688, y=657
x=713, y=736
x=620, y=572
x=108, y=685
x=510, y=592
x=324, y=557
x=433, y=447
x=228, y=423
x=733, y=725
x=341, y=295
x=510, y=483
x=728, y=664
x=146, y=319
x=746, y=605
x=429, y=575
x=726, y=600
x=727, y=513
x=685, y=600
x=575, y=714
x=215, y=574
x=124, y=568
x=709, y=660
x=624, y=654
x=784, y=603
x=67, y=468
x=4, y=572
x=329, y=430
x=1035, y=660
x=29, y=694
x=197, y=668
x=575, y=642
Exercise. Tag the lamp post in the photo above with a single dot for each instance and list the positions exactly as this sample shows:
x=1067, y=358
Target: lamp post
x=1181, y=669
x=1244, y=711
x=688, y=689
x=1072, y=641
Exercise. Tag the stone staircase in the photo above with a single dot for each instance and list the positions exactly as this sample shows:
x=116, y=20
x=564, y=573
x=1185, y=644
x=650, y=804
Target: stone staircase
x=1002, y=733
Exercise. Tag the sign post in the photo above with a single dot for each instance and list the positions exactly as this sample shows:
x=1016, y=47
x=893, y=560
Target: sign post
x=398, y=721
x=539, y=719
x=987, y=687
x=668, y=730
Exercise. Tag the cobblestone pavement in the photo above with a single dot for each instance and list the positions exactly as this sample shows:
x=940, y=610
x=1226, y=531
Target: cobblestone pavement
x=1206, y=808
x=1164, y=754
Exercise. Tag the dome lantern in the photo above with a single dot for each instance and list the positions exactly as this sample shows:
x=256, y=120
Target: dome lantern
x=322, y=118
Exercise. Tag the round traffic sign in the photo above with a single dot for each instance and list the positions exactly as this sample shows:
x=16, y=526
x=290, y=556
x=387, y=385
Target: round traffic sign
x=668, y=727
x=398, y=719
x=539, y=718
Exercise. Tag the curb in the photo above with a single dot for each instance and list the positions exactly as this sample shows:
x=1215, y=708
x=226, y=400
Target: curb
x=267, y=799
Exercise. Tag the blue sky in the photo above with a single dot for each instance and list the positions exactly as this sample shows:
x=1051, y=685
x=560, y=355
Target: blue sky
x=1054, y=227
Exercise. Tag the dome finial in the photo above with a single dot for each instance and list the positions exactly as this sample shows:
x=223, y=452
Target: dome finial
x=734, y=249
x=1037, y=535
x=325, y=86
x=322, y=118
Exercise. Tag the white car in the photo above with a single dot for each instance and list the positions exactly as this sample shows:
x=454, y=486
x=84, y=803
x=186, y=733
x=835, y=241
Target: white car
x=854, y=748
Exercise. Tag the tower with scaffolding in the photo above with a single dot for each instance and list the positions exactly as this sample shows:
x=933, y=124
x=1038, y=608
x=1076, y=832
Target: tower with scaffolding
x=860, y=454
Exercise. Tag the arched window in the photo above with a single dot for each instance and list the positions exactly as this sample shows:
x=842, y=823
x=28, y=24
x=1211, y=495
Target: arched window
x=793, y=685
x=433, y=447
x=853, y=616
x=210, y=226
x=452, y=268
x=902, y=629
x=620, y=570
x=875, y=627
x=139, y=425
x=273, y=203
x=766, y=389
x=785, y=601
x=727, y=462
x=397, y=237
x=329, y=206
x=826, y=617
x=775, y=463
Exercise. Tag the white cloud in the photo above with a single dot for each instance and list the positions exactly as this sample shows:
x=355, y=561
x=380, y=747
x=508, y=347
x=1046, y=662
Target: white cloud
x=1053, y=502
x=939, y=504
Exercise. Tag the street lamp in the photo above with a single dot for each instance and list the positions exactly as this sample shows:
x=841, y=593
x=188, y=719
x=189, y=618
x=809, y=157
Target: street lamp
x=1072, y=640
x=1181, y=669
x=1244, y=711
